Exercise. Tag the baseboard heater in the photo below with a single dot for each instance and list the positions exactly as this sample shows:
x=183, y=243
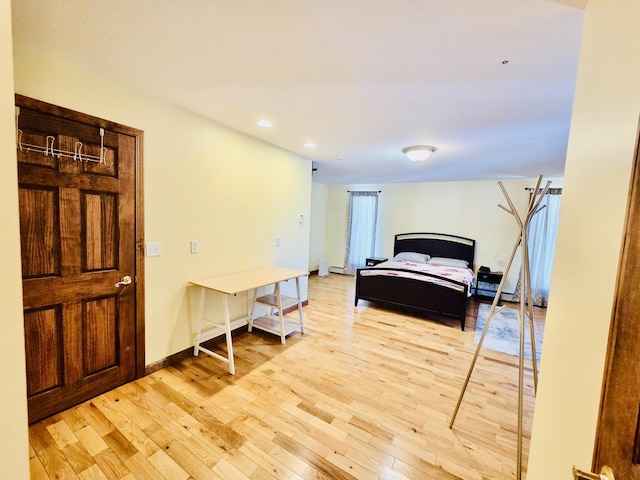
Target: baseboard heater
x=339, y=270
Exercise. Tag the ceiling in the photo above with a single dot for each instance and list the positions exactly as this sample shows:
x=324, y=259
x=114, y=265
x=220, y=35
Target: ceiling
x=490, y=84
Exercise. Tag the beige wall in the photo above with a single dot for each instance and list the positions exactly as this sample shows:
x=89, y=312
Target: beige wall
x=202, y=182
x=603, y=137
x=467, y=209
x=317, y=237
x=14, y=452
x=597, y=175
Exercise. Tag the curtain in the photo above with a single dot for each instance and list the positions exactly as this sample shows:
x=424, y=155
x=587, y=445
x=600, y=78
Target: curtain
x=541, y=240
x=361, y=231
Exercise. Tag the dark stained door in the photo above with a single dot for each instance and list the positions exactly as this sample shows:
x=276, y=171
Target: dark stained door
x=78, y=239
x=618, y=436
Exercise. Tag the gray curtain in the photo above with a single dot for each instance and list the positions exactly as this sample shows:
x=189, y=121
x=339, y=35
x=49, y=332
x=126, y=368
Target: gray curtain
x=541, y=235
x=361, y=231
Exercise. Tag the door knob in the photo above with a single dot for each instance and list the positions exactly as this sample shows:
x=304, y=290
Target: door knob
x=126, y=280
x=605, y=474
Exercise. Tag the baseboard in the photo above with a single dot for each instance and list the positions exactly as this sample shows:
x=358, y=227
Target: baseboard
x=179, y=356
x=338, y=270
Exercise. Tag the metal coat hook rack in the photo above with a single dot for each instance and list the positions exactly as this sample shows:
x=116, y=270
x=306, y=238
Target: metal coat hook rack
x=525, y=312
x=49, y=149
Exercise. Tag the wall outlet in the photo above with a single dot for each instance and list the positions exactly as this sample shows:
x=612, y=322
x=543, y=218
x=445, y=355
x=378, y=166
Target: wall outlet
x=195, y=246
x=277, y=241
x=153, y=249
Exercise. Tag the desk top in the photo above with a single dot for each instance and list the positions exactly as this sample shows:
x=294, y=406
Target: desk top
x=232, y=283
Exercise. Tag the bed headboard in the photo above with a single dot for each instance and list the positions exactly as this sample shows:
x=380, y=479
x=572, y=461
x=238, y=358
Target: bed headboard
x=436, y=245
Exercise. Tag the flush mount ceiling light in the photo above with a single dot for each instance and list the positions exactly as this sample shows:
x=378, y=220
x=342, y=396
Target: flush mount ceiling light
x=265, y=123
x=418, y=153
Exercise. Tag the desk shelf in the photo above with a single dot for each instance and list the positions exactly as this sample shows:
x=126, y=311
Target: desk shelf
x=274, y=321
x=232, y=284
x=271, y=300
x=271, y=324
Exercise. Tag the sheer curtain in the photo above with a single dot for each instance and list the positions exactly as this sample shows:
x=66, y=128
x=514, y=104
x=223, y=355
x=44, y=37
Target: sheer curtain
x=541, y=236
x=361, y=232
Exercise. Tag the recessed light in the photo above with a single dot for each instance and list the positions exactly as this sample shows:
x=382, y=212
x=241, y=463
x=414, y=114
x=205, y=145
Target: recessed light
x=310, y=145
x=265, y=124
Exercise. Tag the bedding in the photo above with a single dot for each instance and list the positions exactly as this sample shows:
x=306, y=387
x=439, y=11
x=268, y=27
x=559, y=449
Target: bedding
x=429, y=274
x=414, y=257
x=448, y=262
x=463, y=276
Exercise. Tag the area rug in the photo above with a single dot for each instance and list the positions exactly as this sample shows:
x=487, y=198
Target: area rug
x=504, y=332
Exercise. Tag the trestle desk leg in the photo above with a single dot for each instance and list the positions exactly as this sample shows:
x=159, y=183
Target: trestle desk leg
x=196, y=343
x=227, y=328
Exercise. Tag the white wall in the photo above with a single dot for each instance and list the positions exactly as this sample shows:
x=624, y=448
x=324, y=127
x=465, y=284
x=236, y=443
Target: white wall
x=597, y=176
x=467, y=209
x=202, y=181
x=14, y=447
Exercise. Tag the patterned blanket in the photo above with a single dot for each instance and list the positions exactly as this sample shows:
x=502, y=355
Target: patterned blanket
x=425, y=272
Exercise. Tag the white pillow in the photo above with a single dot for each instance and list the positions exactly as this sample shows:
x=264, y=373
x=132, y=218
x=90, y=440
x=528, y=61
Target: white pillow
x=448, y=262
x=414, y=257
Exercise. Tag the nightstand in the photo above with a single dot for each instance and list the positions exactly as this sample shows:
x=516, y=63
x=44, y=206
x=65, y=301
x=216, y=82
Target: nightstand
x=493, y=278
x=373, y=261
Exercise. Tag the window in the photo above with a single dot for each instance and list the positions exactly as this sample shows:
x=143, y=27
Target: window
x=361, y=231
x=541, y=240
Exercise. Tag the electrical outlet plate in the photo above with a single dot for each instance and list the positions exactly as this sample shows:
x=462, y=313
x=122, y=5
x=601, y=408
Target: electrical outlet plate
x=153, y=249
x=195, y=246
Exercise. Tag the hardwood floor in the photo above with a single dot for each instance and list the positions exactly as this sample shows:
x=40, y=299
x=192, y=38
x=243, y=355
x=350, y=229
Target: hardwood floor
x=366, y=393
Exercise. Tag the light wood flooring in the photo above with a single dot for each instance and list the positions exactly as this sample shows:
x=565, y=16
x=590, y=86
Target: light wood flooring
x=366, y=393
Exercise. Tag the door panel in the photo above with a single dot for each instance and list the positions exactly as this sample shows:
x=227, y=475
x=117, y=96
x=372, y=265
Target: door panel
x=78, y=233
x=42, y=328
x=99, y=231
x=39, y=224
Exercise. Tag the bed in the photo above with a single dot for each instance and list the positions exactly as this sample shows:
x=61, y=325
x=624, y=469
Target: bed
x=440, y=291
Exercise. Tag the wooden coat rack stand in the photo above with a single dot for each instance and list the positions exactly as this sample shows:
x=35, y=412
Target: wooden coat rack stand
x=525, y=311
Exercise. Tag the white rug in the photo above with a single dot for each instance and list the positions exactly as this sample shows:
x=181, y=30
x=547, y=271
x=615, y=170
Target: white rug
x=504, y=332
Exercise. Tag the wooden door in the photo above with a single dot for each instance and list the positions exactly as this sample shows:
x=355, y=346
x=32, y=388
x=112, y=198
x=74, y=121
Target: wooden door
x=618, y=435
x=78, y=239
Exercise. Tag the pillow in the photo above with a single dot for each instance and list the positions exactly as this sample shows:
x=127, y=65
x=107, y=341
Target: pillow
x=448, y=262
x=414, y=257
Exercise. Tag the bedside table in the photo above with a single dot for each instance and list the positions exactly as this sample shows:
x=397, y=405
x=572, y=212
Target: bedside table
x=373, y=261
x=493, y=278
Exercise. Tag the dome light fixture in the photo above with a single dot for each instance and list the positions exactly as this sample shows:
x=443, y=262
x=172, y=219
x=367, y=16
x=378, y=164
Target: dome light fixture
x=418, y=153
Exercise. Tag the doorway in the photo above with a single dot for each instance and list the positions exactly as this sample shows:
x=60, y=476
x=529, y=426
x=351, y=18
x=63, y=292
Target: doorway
x=617, y=443
x=81, y=224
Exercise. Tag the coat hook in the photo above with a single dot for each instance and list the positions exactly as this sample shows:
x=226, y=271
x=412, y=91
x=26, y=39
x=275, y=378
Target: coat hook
x=77, y=155
x=50, y=138
x=103, y=158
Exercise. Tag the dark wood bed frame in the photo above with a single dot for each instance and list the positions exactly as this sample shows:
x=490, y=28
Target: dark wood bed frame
x=415, y=295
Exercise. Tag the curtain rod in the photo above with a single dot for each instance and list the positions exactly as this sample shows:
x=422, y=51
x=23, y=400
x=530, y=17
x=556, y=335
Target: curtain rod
x=549, y=191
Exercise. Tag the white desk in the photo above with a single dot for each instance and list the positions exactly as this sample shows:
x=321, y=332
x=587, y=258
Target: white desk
x=247, y=281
